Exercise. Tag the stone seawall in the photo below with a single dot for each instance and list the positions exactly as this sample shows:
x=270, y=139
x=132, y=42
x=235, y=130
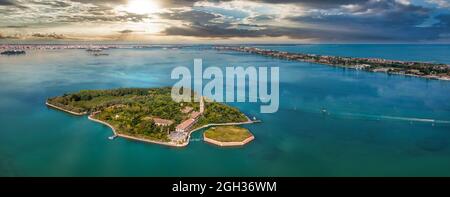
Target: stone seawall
x=65, y=110
x=218, y=143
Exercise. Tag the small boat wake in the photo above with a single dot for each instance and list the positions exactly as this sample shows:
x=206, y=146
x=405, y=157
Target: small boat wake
x=399, y=118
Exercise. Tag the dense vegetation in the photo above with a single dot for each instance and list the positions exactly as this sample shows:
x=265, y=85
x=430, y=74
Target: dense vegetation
x=220, y=113
x=130, y=110
x=228, y=133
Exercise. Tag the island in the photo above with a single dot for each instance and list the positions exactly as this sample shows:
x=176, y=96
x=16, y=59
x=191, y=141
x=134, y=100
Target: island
x=13, y=52
x=148, y=114
x=410, y=68
x=228, y=136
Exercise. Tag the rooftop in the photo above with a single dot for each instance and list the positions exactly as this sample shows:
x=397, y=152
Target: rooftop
x=195, y=114
x=162, y=121
x=185, y=124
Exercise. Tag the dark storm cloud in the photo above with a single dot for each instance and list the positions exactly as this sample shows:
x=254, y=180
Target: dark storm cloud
x=211, y=31
x=11, y=3
x=316, y=3
x=373, y=14
x=7, y=2
x=313, y=1
x=370, y=21
x=388, y=18
x=324, y=34
x=126, y=31
x=223, y=31
x=200, y=24
x=164, y=3
x=192, y=16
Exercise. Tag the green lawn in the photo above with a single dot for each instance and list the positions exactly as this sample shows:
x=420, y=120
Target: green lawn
x=228, y=133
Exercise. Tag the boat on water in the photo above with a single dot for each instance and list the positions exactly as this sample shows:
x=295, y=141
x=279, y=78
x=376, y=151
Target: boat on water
x=324, y=111
x=13, y=52
x=112, y=137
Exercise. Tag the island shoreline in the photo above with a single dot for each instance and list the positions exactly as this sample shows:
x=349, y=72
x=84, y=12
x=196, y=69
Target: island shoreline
x=65, y=110
x=90, y=117
x=228, y=144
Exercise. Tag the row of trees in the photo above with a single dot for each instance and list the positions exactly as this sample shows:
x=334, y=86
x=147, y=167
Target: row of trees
x=130, y=121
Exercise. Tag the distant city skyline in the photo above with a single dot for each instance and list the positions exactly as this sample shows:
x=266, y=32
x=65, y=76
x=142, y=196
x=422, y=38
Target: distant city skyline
x=228, y=21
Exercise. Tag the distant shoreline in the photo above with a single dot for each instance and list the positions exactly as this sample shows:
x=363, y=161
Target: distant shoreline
x=427, y=70
x=90, y=117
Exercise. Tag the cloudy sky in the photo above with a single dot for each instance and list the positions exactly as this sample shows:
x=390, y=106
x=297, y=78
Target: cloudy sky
x=227, y=21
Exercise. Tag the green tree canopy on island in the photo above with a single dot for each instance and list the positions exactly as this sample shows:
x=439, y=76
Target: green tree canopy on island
x=130, y=110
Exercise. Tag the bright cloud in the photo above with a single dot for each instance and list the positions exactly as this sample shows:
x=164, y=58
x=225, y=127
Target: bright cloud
x=228, y=20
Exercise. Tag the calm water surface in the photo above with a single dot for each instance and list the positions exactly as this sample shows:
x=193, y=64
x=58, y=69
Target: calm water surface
x=378, y=125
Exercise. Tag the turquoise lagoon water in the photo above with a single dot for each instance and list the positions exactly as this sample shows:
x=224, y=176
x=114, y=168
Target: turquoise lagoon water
x=378, y=125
